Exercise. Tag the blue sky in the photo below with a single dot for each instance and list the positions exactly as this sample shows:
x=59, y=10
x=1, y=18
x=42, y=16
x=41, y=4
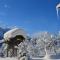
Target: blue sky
x=32, y=15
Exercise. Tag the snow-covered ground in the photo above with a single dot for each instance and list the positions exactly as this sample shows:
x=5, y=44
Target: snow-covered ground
x=31, y=59
x=8, y=58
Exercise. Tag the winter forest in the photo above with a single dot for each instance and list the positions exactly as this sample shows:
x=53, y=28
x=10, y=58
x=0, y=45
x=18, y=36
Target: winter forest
x=41, y=18
x=39, y=45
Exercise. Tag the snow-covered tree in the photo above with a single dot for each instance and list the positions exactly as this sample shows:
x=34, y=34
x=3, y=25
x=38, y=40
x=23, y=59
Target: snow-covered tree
x=45, y=40
x=22, y=51
x=38, y=45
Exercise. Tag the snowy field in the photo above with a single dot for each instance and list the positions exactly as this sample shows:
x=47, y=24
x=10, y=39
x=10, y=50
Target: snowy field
x=31, y=59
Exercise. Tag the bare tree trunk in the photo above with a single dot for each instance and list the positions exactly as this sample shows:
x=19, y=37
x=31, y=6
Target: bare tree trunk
x=7, y=52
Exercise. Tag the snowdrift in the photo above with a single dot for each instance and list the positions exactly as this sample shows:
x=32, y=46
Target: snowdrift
x=14, y=32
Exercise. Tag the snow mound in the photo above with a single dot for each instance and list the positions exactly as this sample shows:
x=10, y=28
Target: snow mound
x=14, y=32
